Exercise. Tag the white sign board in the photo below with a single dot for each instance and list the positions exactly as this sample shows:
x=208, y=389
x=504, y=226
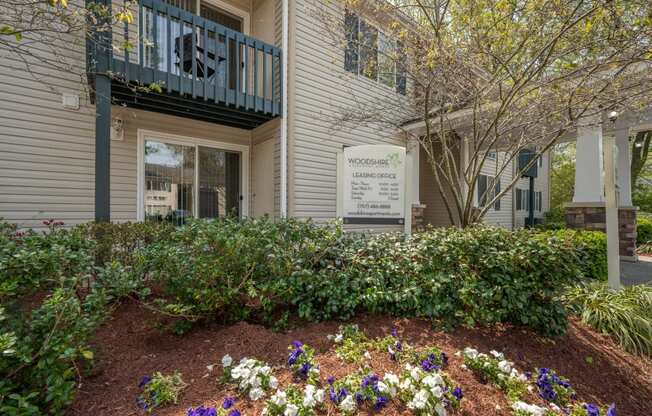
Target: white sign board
x=373, y=184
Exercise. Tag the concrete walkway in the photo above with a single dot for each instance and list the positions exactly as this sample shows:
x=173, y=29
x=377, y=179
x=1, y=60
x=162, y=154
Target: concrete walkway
x=636, y=273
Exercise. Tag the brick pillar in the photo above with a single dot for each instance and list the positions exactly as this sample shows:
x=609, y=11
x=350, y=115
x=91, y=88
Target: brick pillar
x=417, y=217
x=592, y=217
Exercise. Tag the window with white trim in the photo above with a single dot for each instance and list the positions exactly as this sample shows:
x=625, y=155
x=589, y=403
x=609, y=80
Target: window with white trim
x=371, y=53
x=485, y=194
x=184, y=180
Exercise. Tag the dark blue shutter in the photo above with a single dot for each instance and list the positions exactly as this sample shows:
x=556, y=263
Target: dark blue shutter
x=401, y=80
x=496, y=192
x=351, y=51
x=482, y=190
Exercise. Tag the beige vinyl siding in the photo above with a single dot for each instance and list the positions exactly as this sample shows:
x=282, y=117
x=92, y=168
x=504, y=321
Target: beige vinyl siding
x=46, y=151
x=269, y=131
x=435, y=212
x=124, y=162
x=320, y=88
x=503, y=217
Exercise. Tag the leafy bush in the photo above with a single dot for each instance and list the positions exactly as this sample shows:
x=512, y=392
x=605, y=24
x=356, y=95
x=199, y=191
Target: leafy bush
x=643, y=231
x=230, y=270
x=554, y=219
x=625, y=314
x=590, y=248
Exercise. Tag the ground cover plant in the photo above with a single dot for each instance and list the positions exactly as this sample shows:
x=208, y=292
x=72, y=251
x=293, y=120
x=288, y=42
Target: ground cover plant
x=58, y=287
x=625, y=314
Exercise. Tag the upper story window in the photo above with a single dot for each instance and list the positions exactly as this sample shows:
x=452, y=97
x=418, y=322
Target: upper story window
x=371, y=53
x=491, y=155
x=221, y=17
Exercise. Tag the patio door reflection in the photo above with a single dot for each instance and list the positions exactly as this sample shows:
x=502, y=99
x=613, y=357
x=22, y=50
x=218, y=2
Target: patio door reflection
x=183, y=181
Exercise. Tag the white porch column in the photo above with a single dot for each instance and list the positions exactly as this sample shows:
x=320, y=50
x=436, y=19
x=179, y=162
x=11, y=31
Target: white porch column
x=589, y=178
x=624, y=168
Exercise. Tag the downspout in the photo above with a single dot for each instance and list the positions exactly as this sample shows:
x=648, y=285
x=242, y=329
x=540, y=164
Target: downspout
x=284, y=109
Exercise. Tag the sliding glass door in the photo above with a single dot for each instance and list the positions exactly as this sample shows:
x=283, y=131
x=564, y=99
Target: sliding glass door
x=188, y=180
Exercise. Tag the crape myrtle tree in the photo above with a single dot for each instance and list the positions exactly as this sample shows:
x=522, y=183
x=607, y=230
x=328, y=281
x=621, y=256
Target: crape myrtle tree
x=494, y=75
x=46, y=36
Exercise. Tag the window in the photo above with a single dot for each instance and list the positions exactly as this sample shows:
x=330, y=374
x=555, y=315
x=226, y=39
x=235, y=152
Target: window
x=373, y=54
x=538, y=200
x=484, y=194
x=182, y=180
x=491, y=155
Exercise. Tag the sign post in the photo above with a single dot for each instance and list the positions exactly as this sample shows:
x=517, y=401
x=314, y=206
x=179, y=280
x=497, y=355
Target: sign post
x=373, y=185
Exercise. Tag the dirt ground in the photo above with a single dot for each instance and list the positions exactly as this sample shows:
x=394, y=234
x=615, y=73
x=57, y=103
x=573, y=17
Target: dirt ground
x=129, y=347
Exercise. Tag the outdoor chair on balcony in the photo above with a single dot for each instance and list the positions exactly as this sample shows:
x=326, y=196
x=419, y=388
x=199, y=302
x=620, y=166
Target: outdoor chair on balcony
x=214, y=56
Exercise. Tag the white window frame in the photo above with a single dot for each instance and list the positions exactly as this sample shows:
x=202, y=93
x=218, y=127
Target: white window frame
x=359, y=75
x=144, y=135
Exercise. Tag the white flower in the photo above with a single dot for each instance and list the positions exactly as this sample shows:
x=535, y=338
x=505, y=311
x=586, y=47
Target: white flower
x=256, y=393
x=348, y=404
x=291, y=410
x=419, y=400
x=505, y=366
x=255, y=381
x=391, y=379
x=439, y=408
x=437, y=392
x=415, y=373
x=498, y=355
x=280, y=398
x=210, y=367
x=273, y=382
x=226, y=361
x=319, y=395
x=338, y=338
x=390, y=350
x=265, y=370
x=464, y=367
x=529, y=409
x=458, y=354
x=470, y=352
x=367, y=355
x=433, y=380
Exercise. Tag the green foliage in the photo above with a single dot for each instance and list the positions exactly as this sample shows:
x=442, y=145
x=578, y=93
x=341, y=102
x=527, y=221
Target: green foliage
x=554, y=219
x=626, y=314
x=160, y=390
x=497, y=371
x=562, y=176
x=643, y=231
x=590, y=248
x=231, y=270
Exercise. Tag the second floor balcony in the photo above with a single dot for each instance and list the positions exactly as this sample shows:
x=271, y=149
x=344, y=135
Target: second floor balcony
x=177, y=62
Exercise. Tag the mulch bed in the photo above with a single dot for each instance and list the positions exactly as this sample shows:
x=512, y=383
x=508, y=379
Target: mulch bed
x=129, y=347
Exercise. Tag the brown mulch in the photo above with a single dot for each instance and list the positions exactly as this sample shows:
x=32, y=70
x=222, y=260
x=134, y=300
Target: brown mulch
x=129, y=347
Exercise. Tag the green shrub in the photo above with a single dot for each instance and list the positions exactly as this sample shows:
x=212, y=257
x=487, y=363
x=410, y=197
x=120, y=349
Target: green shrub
x=643, y=231
x=590, y=248
x=625, y=314
x=160, y=390
x=231, y=270
x=554, y=219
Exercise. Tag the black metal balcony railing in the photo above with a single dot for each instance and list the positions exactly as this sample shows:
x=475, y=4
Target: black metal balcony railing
x=189, y=56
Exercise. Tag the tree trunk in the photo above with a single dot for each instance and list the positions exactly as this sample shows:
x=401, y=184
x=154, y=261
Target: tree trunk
x=640, y=150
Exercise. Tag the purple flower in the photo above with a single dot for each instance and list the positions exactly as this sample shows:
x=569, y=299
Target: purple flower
x=611, y=411
x=145, y=380
x=591, y=409
x=304, y=369
x=228, y=403
x=330, y=380
x=339, y=396
x=359, y=397
x=141, y=403
x=234, y=412
x=394, y=333
x=294, y=355
x=202, y=411
x=381, y=401
x=297, y=344
x=457, y=393
x=429, y=364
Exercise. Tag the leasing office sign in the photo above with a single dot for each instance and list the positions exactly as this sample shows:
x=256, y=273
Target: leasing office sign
x=373, y=184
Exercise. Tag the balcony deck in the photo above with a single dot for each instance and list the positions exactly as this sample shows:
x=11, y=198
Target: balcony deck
x=178, y=63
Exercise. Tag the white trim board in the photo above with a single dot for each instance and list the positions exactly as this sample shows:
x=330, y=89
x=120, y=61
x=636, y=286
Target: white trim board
x=193, y=141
